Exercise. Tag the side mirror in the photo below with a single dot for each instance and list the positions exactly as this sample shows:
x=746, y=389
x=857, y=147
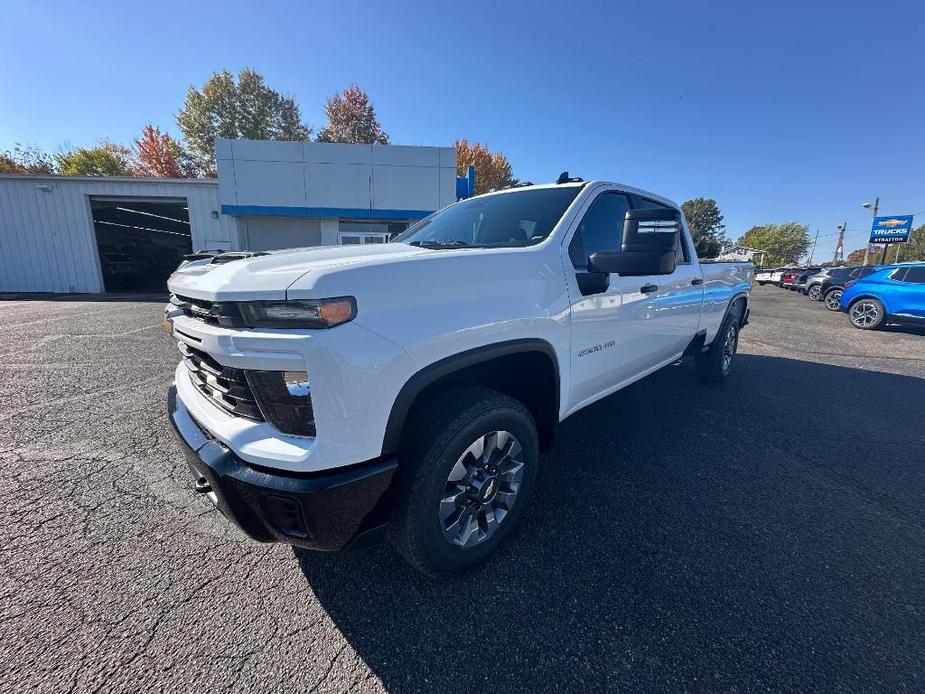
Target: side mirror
x=651, y=238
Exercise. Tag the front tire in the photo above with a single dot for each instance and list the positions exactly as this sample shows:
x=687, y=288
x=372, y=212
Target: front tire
x=466, y=472
x=815, y=292
x=866, y=314
x=833, y=300
x=715, y=364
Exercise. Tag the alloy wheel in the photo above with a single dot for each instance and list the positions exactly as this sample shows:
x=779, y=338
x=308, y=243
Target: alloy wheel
x=833, y=300
x=864, y=313
x=814, y=292
x=481, y=489
x=730, y=343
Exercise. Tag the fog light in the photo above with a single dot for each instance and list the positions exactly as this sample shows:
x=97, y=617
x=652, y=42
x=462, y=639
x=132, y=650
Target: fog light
x=285, y=399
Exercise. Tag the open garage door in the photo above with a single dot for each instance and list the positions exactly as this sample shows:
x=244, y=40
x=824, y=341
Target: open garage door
x=140, y=241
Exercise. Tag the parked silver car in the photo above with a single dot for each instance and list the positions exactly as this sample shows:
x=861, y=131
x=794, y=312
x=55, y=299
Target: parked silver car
x=813, y=287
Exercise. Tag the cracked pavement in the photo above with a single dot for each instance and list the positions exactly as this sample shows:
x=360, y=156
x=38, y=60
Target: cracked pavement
x=768, y=533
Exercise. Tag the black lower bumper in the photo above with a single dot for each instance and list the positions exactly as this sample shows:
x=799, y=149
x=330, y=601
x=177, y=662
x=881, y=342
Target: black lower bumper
x=335, y=510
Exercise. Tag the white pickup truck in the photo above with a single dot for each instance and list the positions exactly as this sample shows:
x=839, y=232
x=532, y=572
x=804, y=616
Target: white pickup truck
x=328, y=395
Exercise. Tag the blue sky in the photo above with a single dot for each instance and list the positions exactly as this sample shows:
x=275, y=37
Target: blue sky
x=791, y=111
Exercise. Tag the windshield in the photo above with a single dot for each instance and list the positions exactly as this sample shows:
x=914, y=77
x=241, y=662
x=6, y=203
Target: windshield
x=521, y=218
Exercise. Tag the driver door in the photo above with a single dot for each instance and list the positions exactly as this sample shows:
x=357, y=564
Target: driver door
x=614, y=333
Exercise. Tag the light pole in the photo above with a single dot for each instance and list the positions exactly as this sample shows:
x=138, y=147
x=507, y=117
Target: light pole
x=840, y=246
x=875, y=208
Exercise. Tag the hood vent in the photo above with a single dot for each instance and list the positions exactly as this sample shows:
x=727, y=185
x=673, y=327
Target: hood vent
x=231, y=256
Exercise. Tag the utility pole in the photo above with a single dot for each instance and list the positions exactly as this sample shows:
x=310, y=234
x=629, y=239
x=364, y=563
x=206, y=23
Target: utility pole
x=813, y=252
x=867, y=247
x=841, y=242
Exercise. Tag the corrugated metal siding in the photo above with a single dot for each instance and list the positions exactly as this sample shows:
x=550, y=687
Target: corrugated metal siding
x=47, y=243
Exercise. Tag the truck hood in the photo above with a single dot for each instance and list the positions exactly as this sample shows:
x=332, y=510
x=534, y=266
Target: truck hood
x=269, y=276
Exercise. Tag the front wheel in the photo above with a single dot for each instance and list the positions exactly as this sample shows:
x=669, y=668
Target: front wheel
x=465, y=475
x=866, y=314
x=814, y=292
x=716, y=363
x=833, y=300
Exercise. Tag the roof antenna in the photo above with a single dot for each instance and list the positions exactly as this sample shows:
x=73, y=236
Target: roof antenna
x=565, y=178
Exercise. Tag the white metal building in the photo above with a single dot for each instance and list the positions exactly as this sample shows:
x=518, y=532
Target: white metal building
x=61, y=233
x=96, y=234
x=289, y=194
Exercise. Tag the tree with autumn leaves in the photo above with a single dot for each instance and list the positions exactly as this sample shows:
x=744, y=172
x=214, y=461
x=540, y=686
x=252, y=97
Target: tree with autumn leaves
x=352, y=119
x=492, y=169
x=158, y=155
x=237, y=106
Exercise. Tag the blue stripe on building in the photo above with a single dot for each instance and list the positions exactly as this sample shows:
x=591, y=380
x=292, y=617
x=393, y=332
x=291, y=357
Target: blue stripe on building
x=343, y=212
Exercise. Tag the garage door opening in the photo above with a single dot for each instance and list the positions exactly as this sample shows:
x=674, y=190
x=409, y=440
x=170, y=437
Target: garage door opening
x=140, y=241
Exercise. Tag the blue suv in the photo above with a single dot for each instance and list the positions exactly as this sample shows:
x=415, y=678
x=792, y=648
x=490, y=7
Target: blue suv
x=894, y=294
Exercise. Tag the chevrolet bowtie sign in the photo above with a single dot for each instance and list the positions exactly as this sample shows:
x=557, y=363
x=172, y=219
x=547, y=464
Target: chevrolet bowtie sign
x=894, y=229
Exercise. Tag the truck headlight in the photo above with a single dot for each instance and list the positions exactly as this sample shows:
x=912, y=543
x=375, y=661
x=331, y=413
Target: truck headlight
x=285, y=399
x=299, y=313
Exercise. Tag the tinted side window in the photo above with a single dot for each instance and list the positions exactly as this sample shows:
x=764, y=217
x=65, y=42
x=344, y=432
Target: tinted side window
x=915, y=275
x=898, y=275
x=866, y=271
x=601, y=229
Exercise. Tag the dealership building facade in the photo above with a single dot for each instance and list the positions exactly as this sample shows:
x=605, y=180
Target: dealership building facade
x=103, y=234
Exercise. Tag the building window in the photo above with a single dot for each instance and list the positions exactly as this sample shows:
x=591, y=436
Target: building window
x=362, y=232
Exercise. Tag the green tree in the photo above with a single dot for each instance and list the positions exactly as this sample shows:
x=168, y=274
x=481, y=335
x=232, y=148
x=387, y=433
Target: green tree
x=246, y=108
x=784, y=243
x=492, y=169
x=26, y=159
x=706, y=225
x=351, y=118
x=914, y=249
x=105, y=159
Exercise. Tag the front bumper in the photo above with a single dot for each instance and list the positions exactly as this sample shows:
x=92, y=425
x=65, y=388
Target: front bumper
x=344, y=508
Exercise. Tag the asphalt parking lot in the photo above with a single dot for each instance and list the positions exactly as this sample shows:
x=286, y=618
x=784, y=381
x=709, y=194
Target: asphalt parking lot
x=763, y=534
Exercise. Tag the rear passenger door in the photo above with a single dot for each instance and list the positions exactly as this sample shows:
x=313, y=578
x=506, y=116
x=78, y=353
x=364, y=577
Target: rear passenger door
x=907, y=292
x=680, y=295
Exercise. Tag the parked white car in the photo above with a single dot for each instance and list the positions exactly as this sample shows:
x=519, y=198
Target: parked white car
x=327, y=395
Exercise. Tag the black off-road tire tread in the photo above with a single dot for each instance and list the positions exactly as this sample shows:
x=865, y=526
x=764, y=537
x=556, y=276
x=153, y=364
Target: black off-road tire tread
x=710, y=363
x=447, y=414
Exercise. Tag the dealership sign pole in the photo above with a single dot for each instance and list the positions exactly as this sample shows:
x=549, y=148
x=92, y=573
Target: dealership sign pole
x=887, y=230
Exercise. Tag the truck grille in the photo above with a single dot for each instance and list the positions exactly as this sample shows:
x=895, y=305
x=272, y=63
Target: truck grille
x=225, y=386
x=195, y=308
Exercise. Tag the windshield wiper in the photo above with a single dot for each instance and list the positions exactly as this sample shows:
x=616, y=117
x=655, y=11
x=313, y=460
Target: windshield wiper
x=441, y=244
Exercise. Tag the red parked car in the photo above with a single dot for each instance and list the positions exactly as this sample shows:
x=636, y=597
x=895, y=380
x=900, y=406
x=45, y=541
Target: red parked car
x=789, y=278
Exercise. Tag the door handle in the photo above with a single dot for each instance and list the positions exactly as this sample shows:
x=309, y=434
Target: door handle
x=696, y=281
x=648, y=288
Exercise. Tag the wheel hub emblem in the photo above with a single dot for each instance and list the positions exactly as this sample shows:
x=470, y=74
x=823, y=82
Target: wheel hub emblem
x=484, y=487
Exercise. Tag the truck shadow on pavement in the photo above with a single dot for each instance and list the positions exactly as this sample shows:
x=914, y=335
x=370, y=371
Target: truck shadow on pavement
x=681, y=536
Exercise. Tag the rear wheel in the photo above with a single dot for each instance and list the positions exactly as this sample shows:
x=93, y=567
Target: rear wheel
x=866, y=314
x=716, y=363
x=833, y=300
x=465, y=475
x=814, y=292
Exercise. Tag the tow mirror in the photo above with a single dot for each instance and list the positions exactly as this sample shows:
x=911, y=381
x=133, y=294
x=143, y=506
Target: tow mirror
x=651, y=238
